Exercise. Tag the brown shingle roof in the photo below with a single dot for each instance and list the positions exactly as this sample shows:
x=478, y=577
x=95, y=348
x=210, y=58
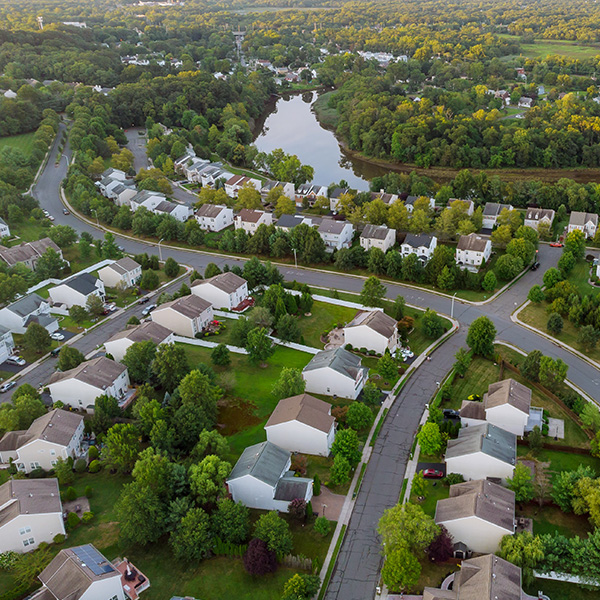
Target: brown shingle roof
x=26, y=251
x=376, y=320
x=472, y=242
x=99, y=372
x=488, y=578
x=57, y=426
x=250, y=216
x=189, y=306
x=227, y=282
x=508, y=391
x=124, y=265
x=472, y=409
x=148, y=330
x=303, y=408
x=210, y=211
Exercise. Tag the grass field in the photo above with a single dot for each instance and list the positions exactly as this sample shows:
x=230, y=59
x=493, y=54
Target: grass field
x=28, y=231
x=559, y=590
x=548, y=519
x=326, y=116
x=23, y=142
x=434, y=491
x=541, y=48
x=323, y=317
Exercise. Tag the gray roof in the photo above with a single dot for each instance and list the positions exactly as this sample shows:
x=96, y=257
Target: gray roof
x=210, y=211
x=28, y=497
x=418, y=240
x=144, y=195
x=84, y=283
x=148, y=330
x=537, y=214
x=25, y=306
x=165, y=206
x=290, y=487
x=493, y=209
x=124, y=265
x=338, y=359
x=375, y=232
x=227, y=282
x=190, y=306
x=486, y=438
x=472, y=242
x=508, y=391
x=332, y=226
x=265, y=461
x=488, y=578
x=27, y=251
x=472, y=409
x=99, y=372
x=337, y=192
x=43, y=320
x=376, y=320
x=289, y=221
x=581, y=218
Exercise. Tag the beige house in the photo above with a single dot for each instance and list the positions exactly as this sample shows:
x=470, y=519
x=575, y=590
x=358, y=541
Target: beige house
x=586, y=222
x=373, y=330
x=30, y=513
x=472, y=250
x=28, y=253
x=477, y=513
x=185, y=316
x=506, y=404
x=55, y=435
x=303, y=424
x=250, y=220
x=377, y=236
x=123, y=273
x=225, y=290
x=118, y=344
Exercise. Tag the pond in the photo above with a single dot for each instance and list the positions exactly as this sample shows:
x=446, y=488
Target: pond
x=292, y=125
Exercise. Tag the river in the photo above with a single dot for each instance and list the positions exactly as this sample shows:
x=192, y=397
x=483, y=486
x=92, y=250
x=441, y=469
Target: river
x=292, y=125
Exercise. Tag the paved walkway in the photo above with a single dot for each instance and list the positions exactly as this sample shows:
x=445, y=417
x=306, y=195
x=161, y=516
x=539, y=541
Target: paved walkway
x=327, y=504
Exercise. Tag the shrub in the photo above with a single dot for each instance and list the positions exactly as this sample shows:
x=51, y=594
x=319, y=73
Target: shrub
x=72, y=521
x=95, y=466
x=59, y=538
x=93, y=453
x=316, y=485
x=297, y=509
x=545, y=429
x=38, y=473
x=80, y=465
x=89, y=492
x=87, y=516
x=309, y=511
x=8, y=560
x=453, y=478
x=322, y=526
x=348, y=347
x=70, y=494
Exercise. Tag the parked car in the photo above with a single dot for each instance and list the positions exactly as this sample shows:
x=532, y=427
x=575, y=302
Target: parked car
x=433, y=474
x=16, y=360
x=450, y=413
x=144, y=300
x=111, y=307
x=7, y=386
x=65, y=211
x=55, y=351
x=148, y=309
x=556, y=245
x=535, y=266
x=59, y=337
x=46, y=213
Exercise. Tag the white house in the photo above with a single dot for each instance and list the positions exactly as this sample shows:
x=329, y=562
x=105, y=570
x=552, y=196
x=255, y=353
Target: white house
x=373, y=330
x=123, y=273
x=146, y=198
x=4, y=229
x=388, y=199
x=32, y=308
x=30, y=513
x=214, y=217
x=249, y=220
x=79, y=387
x=491, y=212
x=118, y=344
x=506, y=404
x=525, y=102
x=122, y=194
x=334, y=198
x=586, y=222
x=410, y=202
x=81, y=573
x=472, y=250
x=185, y=316
x=478, y=513
x=225, y=290
x=309, y=192
x=287, y=188
x=335, y=372
x=236, y=182
x=55, y=435
x=7, y=343
x=535, y=216
x=482, y=451
x=108, y=177
x=422, y=245
x=288, y=222
x=261, y=479
x=77, y=290
x=336, y=234
x=377, y=236
x=302, y=424
x=181, y=212
x=467, y=205
x=28, y=253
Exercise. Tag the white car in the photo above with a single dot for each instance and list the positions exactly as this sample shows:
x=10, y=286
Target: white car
x=16, y=360
x=57, y=336
x=46, y=213
x=111, y=307
x=51, y=218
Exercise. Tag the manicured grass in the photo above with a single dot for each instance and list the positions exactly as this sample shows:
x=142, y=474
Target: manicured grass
x=562, y=461
x=559, y=590
x=73, y=255
x=434, y=491
x=579, y=277
x=321, y=465
x=548, y=519
x=323, y=317
x=23, y=142
x=477, y=379
x=432, y=574
x=65, y=322
x=224, y=335
x=28, y=231
x=29, y=355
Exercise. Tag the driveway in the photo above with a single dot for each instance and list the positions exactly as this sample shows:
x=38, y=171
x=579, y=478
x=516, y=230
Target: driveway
x=327, y=504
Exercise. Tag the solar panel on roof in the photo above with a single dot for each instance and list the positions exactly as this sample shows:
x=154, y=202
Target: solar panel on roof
x=92, y=559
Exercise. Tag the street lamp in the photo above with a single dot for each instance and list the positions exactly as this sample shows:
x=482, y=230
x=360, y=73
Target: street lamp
x=324, y=507
x=452, y=309
x=160, y=249
x=97, y=220
x=295, y=258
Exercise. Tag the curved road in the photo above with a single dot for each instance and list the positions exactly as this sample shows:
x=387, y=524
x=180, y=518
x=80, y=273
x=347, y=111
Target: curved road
x=356, y=573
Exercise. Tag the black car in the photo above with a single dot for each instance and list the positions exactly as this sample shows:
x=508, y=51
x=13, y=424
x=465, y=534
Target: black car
x=55, y=351
x=535, y=265
x=450, y=413
x=144, y=300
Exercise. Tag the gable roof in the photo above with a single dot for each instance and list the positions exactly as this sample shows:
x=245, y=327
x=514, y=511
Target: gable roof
x=338, y=359
x=486, y=438
x=210, y=211
x=303, y=408
x=472, y=409
x=227, y=282
x=250, y=216
x=99, y=372
x=57, y=426
x=493, y=209
x=189, y=306
x=124, y=265
x=581, y=218
x=537, y=214
x=472, y=242
x=488, y=578
x=148, y=330
x=28, y=497
x=376, y=232
x=289, y=488
x=25, y=306
x=376, y=320
x=418, y=240
x=27, y=251
x=483, y=499
x=332, y=226
x=508, y=391
x=84, y=283
x=265, y=461
x=289, y=221
x=165, y=206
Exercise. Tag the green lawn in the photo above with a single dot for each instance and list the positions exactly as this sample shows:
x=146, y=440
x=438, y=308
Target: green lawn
x=434, y=491
x=563, y=461
x=28, y=230
x=542, y=48
x=29, y=355
x=77, y=263
x=559, y=590
x=224, y=336
x=320, y=465
x=548, y=519
x=323, y=317
x=23, y=142
x=477, y=379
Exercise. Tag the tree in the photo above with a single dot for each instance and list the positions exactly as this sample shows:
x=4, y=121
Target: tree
x=94, y=305
x=197, y=391
x=501, y=236
x=401, y=570
x=192, y=539
x=78, y=314
x=536, y=294
x=372, y=292
x=508, y=267
x=588, y=337
x=62, y=235
x=387, y=367
x=322, y=526
x=551, y=277
x=371, y=394
x=346, y=444
x=290, y=383
x=207, y=479
x=575, y=243
x=288, y=328
x=149, y=280
x=552, y=372
x=463, y=361
x=340, y=470
x=590, y=415
x=275, y=532
x=442, y=548
x=69, y=358
x=209, y=442
x=63, y=472
x=432, y=324
x=231, y=521
x=301, y=587
x=259, y=345
x=106, y=409
x=398, y=308
x=521, y=248
x=122, y=447
x=481, y=336
x=297, y=509
x=489, y=283
x=446, y=279
x=109, y=247
x=536, y=440
x=49, y=264
x=523, y=550
x=284, y=206
x=37, y=339
x=221, y=356
x=555, y=323
x=566, y=263
x=531, y=366
x=26, y=389
x=138, y=360
x=359, y=416
x=407, y=526
x=520, y=483
x=564, y=484
x=430, y=438
x=258, y=559
x=170, y=366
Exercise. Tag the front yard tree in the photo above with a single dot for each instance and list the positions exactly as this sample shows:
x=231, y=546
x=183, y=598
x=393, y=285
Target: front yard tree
x=371, y=394
x=588, y=337
x=552, y=372
x=290, y=383
x=566, y=263
x=170, y=366
x=489, y=283
x=398, y=308
x=407, y=526
x=536, y=294
x=346, y=445
x=258, y=559
x=523, y=550
x=275, y=532
x=551, y=277
x=430, y=438
x=149, y=280
x=521, y=484
x=231, y=521
x=171, y=267
x=508, y=267
x=211, y=270
x=69, y=358
x=301, y=587
x=555, y=323
x=575, y=243
x=340, y=470
x=590, y=415
x=122, y=447
x=463, y=361
x=192, y=539
x=387, y=367
x=531, y=365
x=207, y=479
x=259, y=345
x=481, y=336
x=78, y=314
x=221, y=356
x=37, y=339
x=401, y=570
x=63, y=235
x=372, y=292
x=359, y=416
x=521, y=248
x=138, y=360
x=94, y=305
x=432, y=324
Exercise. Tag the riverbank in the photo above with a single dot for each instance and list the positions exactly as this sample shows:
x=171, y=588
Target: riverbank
x=327, y=116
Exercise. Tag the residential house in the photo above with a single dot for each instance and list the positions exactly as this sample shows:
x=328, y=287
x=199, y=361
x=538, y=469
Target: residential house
x=409, y=202
x=525, y=102
x=477, y=513
x=30, y=513
x=123, y=273
x=506, y=404
x=28, y=253
x=211, y=173
x=79, y=387
x=335, y=197
x=288, y=222
x=287, y=188
x=185, y=316
x=377, y=236
x=224, y=291
x=336, y=234
x=521, y=73
x=503, y=95
x=32, y=308
x=302, y=424
x=56, y=434
x=586, y=222
x=214, y=217
x=535, y=216
x=118, y=344
x=491, y=212
x=236, y=182
x=250, y=220
x=468, y=204
x=108, y=177
x=388, y=199
x=122, y=194
x=4, y=229
x=486, y=577
x=76, y=290
x=7, y=343
x=262, y=479
x=422, y=245
x=309, y=193
x=482, y=451
x=181, y=212
x=146, y=198
x=472, y=250
x=373, y=330
x=335, y=372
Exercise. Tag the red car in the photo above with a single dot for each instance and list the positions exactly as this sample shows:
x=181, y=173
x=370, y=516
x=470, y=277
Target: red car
x=556, y=245
x=433, y=474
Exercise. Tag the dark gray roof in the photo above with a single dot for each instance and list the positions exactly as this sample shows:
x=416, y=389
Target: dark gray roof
x=27, y=251
x=375, y=232
x=472, y=409
x=43, y=320
x=418, y=240
x=493, y=209
x=210, y=211
x=486, y=438
x=290, y=487
x=337, y=192
x=581, y=218
x=289, y=221
x=339, y=359
x=28, y=497
x=265, y=461
x=537, y=214
x=84, y=283
x=165, y=206
x=25, y=306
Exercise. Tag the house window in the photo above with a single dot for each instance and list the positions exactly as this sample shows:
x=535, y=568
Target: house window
x=53, y=463
x=28, y=542
x=52, y=452
x=24, y=530
x=34, y=465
